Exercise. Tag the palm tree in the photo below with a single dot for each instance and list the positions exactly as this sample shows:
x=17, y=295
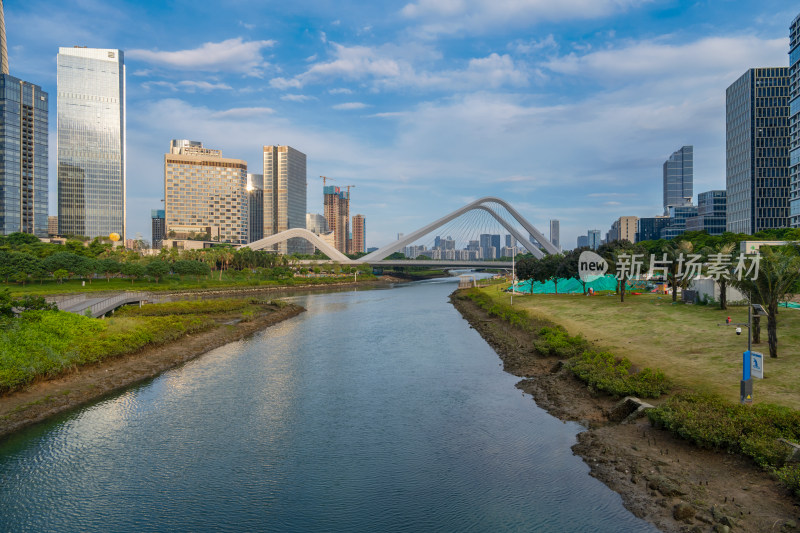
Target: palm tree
x=778, y=271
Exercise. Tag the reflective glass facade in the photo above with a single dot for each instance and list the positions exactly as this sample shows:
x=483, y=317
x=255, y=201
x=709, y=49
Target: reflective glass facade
x=91, y=142
x=711, y=211
x=285, y=195
x=255, y=197
x=679, y=178
x=649, y=229
x=677, y=221
x=158, y=227
x=794, y=123
x=23, y=157
x=757, y=150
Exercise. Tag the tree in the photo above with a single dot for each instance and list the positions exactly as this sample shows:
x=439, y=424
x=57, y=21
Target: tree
x=778, y=271
x=133, y=270
x=627, y=260
x=572, y=266
x=554, y=266
x=108, y=267
x=673, y=252
x=157, y=269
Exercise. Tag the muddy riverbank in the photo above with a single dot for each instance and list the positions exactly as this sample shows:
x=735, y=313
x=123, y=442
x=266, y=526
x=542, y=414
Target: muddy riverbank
x=88, y=383
x=662, y=479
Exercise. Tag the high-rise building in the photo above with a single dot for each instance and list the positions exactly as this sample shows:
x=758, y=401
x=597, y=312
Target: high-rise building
x=677, y=221
x=91, y=142
x=594, y=239
x=285, y=196
x=649, y=228
x=52, y=226
x=794, y=123
x=23, y=151
x=711, y=209
x=554, y=234
x=359, y=234
x=757, y=150
x=255, y=204
x=159, y=228
x=623, y=229
x=583, y=241
x=679, y=178
x=490, y=246
x=316, y=223
x=205, y=195
x=337, y=213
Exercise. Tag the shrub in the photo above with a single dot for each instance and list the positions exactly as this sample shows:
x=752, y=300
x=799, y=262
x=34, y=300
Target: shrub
x=604, y=372
x=556, y=341
x=752, y=430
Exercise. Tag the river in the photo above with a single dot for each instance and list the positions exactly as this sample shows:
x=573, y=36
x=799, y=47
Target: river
x=376, y=410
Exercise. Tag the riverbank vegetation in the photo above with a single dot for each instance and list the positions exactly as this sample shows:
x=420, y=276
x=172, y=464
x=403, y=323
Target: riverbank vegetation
x=30, y=266
x=601, y=370
x=45, y=343
x=695, y=355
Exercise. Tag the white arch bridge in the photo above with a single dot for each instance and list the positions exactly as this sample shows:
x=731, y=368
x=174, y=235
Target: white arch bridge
x=378, y=257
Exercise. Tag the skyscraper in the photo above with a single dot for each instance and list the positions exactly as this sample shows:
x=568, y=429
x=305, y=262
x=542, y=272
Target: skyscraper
x=285, y=195
x=91, y=142
x=554, y=234
x=679, y=177
x=757, y=150
x=594, y=239
x=794, y=122
x=255, y=196
x=205, y=194
x=158, y=227
x=23, y=150
x=359, y=244
x=337, y=213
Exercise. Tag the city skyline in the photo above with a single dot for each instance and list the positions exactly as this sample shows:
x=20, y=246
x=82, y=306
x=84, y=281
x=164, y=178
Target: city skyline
x=564, y=96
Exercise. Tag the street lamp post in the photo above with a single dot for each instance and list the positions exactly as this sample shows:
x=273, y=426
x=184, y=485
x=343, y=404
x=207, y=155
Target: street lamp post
x=746, y=385
x=513, y=273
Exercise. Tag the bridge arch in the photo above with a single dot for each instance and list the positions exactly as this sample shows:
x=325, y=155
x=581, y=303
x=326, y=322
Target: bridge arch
x=313, y=238
x=396, y=246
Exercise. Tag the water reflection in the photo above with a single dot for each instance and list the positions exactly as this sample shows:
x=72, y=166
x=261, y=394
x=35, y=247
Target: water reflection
x=373, y=411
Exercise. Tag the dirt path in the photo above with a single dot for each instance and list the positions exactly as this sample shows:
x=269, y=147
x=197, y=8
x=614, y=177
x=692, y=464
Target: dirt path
x=662, y=479
x=47, y=398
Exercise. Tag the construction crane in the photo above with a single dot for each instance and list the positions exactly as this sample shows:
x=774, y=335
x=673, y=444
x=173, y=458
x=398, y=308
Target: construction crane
x=325, y=179
x=348, y=190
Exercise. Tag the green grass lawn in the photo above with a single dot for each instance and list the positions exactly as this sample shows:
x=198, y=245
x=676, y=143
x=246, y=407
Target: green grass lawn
x=682, y=340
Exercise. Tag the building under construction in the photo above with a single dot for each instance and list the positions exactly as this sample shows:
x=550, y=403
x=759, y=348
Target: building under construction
x=337, y=213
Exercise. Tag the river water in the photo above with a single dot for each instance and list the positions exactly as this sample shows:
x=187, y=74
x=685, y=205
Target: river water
x=375, y=410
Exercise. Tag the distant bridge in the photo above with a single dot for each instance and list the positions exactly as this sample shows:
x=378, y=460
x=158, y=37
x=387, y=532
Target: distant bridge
x=378, y=257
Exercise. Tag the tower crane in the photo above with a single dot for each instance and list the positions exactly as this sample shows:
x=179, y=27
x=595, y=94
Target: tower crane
x=325, y=179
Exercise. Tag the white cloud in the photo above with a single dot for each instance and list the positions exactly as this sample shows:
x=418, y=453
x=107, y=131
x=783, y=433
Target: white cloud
x=191, y=86
x=232, y=55
x=347, y=106
x=341, y=90
x=243, y=112
x=390, y=67
x=727, y=56
x=473, y=16
x=296, y=97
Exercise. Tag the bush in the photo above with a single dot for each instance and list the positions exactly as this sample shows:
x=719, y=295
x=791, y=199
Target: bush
x=556, y=341
x=752, y=430
x=615, y=376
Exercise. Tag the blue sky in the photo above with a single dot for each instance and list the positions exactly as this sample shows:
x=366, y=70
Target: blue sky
x=566, y=109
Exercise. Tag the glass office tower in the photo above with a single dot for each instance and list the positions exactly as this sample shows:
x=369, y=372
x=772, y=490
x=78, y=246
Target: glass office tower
x=679, y=178
x=23, y=150
x=794, y=123
x=285, y=196
x=91, y=142
x=23, y=157
x=757, y=150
